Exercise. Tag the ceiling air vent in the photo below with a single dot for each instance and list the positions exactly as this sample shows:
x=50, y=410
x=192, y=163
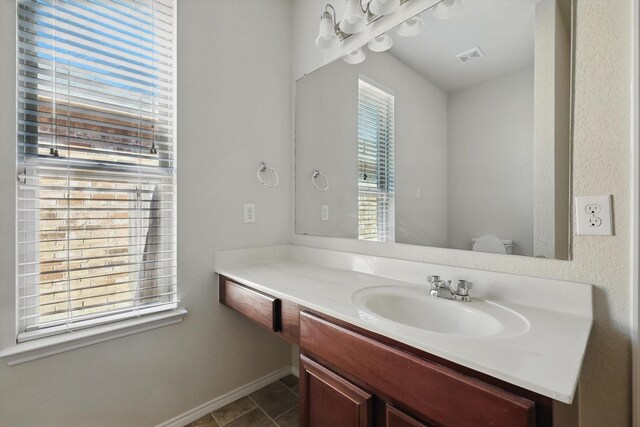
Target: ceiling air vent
x=470, y=55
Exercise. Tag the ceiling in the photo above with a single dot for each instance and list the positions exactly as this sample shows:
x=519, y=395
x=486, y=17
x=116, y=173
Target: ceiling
x=503, y=29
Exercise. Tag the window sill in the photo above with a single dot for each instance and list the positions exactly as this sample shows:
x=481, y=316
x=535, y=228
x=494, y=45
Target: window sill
x=37, y=349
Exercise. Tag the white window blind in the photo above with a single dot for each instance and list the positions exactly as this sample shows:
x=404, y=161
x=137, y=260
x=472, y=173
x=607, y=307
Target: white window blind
x=375, y=164
x=96, y=162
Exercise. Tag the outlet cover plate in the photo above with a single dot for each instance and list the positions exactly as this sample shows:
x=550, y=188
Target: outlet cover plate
x=593, y=215
x=324, y=212
x=249, y=213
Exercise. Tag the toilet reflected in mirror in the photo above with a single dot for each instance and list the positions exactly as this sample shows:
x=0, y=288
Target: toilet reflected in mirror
x=490, y=243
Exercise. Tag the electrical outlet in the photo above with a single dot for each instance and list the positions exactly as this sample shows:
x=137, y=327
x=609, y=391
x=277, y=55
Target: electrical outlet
x=593, y=208
x=593, y=215
x=324, y=212
x=249, y=213
x=594, y=222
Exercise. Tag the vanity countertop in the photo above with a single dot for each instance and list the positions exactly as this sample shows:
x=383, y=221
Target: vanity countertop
x=545, y=359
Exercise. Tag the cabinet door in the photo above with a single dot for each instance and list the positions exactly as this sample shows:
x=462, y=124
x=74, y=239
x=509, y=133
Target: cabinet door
x=328, y=400
x=396, y=418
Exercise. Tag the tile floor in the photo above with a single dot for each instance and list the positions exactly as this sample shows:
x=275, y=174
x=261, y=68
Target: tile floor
x=273, y=405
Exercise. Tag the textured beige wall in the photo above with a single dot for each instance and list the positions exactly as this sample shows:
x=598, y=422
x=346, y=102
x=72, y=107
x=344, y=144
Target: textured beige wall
x=602, y=164
x=233, y=111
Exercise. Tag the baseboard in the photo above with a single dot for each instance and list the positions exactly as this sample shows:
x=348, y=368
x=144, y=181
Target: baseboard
x=210, y=406
x=295, y=371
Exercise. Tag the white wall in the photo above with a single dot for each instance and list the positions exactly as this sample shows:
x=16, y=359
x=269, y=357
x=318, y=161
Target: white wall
x=327, y=132
x=601, y=142
x=234, y=111
x=490, y=158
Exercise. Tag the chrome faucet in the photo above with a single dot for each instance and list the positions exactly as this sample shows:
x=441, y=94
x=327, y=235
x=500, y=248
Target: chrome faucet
x=443, y=289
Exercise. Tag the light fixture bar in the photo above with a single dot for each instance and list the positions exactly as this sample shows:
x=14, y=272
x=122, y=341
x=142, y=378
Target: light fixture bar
x=370, y=18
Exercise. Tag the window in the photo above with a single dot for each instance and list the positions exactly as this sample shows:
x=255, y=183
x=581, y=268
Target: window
x=96, y=163
x=375, y=164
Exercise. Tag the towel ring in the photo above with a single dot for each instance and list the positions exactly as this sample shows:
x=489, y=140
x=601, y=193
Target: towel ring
x=316, y=173
x=262, y=167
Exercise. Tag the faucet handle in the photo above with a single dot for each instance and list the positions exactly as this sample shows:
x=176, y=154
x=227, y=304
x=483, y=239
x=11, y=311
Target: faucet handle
x=463, y=288
x=433, y=279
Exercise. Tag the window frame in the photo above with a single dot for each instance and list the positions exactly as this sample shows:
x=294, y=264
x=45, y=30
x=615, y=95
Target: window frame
x=108, y=327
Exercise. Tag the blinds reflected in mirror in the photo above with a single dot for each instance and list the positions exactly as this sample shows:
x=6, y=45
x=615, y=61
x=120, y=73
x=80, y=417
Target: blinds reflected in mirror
x=96, y=155
x=375, y=164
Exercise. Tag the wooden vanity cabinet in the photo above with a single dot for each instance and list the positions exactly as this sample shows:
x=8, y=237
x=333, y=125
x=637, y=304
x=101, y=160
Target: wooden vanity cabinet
x=432, y=393
x=351, y=377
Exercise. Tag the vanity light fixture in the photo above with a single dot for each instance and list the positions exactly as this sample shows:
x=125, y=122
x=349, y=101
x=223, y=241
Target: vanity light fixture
x=328, y=34
x=381, y=43
x=411, y=27
x=355, y=17
x=354, y=57
x=383, y=7
x=447, y=9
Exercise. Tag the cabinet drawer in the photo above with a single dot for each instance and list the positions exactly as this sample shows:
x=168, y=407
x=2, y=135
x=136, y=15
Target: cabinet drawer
x=257, y=306
x=434, y=393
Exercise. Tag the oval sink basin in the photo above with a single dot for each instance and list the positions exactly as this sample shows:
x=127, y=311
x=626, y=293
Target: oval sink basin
x=414, y=307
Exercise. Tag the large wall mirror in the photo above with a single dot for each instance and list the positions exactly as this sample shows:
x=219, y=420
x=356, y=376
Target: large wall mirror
x=457, y=136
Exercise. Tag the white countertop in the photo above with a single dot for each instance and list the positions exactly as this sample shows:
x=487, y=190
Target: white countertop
x=545, y=359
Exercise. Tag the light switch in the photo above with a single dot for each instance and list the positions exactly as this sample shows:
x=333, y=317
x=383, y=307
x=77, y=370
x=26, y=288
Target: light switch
x=324, y=212
x=593, y=215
